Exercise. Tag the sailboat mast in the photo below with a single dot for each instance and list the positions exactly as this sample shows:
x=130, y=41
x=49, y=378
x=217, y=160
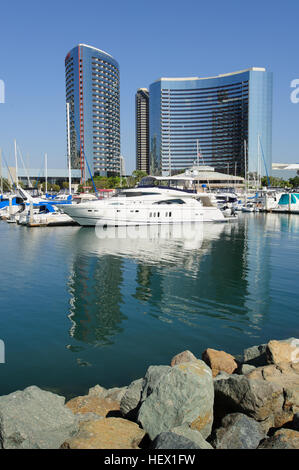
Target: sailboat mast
x=46, y=172
x=245, y=165
x=16, y=160
x=1, y=177
x=69, y=146
x=258, y=161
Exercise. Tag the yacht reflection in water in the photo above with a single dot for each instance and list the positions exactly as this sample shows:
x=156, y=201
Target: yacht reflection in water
x=96, y=282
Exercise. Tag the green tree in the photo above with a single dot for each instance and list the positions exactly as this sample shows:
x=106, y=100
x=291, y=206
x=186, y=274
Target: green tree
x=55, y=188
x=51, y=187
x=294, y=182
x=275, y=182
x=131, y=181
x=138, y=175
x=6, y=184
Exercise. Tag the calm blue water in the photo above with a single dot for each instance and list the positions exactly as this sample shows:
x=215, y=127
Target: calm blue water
x=77, y=310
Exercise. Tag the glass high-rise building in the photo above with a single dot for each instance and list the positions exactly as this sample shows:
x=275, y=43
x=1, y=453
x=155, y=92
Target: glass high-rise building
x=212, y=121
x=142, y=129
x=92, y=90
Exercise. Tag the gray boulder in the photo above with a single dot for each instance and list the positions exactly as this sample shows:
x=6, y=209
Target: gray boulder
x=152, y=378
x=131, y=399
x=258, y=399
x=183, y=395
x=256, y=355
x=238, y=431
x=170, y=440
x=245, y=369
x=35, y=419
x=192, y=435
x=114, y=394
x=221, y=375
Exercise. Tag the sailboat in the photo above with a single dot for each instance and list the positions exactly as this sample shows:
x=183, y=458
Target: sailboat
x=248, y=206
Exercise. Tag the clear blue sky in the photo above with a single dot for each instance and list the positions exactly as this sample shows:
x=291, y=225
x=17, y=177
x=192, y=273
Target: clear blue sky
x=149, y=39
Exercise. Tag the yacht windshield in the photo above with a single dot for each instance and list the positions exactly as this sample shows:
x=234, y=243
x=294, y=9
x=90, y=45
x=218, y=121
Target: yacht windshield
x=134, y=194
x=171, y=201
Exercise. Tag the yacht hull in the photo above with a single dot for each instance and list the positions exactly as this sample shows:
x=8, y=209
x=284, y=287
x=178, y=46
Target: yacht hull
x=114, y=219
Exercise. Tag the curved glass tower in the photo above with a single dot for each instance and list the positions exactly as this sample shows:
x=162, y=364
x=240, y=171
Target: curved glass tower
x=212, y=121
x=92, y=89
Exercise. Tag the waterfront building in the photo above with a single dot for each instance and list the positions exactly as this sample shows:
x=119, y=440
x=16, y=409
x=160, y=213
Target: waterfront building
x=213, y=121
x=285, y=170
x=200, y=177
x=92, y=90
x=54, y=176
x=142, y=129
x=122, y=166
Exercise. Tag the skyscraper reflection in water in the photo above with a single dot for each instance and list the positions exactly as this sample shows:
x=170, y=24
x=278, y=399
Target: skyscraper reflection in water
x=95, y=289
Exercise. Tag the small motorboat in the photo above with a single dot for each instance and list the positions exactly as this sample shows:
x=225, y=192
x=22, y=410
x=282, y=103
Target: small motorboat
x=250, y=207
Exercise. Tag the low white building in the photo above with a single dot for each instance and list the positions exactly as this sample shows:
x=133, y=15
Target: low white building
x=202, y=177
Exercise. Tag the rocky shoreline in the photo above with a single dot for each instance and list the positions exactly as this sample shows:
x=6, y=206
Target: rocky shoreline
x=216, y=402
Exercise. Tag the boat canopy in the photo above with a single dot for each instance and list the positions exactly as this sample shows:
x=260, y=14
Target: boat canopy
x=284, y=199
x=15, y=202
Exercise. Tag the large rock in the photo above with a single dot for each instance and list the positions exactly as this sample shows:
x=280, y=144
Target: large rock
x=256, y=355
x=107, y=433
x=219, y=361
x=92, y=404
x=152, y=378
x=35, y=419
x=185, y=356
x=184, y=394
x=131, y=399
x=245, y=369
x=114, y=394
x=285, y=376
x=283, y=351
x=238, y=431
x=192, y=435
x=282, y=439
x=272, y=353
x=258, y=399
x=170, y=440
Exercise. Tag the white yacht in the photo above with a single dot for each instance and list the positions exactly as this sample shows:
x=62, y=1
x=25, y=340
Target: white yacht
x=146, y=205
